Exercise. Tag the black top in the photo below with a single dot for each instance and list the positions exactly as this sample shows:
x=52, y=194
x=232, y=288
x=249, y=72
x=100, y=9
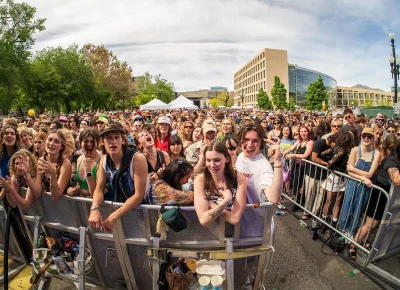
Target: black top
x=383, y=175
x=315, y=171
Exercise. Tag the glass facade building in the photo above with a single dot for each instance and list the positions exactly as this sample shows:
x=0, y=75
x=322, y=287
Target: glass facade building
x=299, y=80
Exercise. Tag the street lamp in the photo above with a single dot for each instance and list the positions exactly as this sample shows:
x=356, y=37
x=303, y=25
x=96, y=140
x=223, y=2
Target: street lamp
x=242, y=98
x=394, y=65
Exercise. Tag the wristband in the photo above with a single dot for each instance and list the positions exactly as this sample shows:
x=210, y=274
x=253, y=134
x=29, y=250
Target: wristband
x=279, y=166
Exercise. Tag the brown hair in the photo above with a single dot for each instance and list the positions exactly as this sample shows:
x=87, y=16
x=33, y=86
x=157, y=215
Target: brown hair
x=17, y=145
x=42, y=136
x=90, y=132
x=256, y=128
x=229, y=172
x=63, y=140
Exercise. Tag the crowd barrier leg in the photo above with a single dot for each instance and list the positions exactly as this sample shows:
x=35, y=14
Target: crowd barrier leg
x=155, y=264
x=123, y=256
x=81, y=261
x=230, y=283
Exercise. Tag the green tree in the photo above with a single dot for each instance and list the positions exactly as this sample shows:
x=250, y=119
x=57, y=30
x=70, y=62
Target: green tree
x=355, y=103
x=18, y=25
x=149, y=87
x=385, y=102
x=215, y=102
x=278, y=93
x=316, y=94
x=60, y=79
x=263, y=100
x=292, y=104
x=111, y=76
x=368, y=103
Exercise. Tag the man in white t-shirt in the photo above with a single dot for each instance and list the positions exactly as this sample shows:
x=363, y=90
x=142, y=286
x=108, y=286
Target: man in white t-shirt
x=262, y=181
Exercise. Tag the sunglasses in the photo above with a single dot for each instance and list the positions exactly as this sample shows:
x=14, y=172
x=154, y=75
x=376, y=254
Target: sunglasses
x=369, y=136
x=347, y=117
x=390, y=131
x=188, y=127
x=336, y=126
x=276, y=123
x=232, y=148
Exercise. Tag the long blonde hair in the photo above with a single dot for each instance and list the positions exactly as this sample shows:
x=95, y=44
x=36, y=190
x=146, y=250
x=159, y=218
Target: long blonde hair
x=21, y=154
x=221, y=133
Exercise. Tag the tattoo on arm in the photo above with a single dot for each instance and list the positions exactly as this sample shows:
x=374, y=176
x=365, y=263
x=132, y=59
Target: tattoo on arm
x=215, y=211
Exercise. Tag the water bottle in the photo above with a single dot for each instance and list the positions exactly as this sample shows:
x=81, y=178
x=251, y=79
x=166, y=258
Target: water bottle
x=280, y=212
x=314, y=230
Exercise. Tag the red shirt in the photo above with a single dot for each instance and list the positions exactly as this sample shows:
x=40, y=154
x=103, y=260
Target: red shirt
x=163, y=145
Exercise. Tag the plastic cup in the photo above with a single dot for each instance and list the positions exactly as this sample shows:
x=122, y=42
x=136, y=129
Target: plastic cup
x=216, y=282
x=204, y=282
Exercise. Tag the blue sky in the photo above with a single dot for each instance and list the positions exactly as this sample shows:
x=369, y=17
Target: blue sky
x=199, y=44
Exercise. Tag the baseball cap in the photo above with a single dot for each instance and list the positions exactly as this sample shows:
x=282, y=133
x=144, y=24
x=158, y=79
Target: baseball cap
x=367, y=130
x=164, y=119
x=209, y=125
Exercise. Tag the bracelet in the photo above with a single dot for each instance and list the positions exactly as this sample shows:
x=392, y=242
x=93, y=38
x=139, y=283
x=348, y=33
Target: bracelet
x=279, y=166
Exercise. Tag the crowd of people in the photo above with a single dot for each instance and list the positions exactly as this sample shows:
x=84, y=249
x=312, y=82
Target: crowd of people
x=216, y=160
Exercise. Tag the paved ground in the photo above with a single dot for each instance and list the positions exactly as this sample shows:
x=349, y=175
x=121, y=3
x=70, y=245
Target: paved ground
x=299, y=263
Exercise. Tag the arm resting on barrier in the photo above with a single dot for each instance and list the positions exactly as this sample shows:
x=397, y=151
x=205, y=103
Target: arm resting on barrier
x=235, y=214
x=15, y=199
x=357, y=173
x=139, y=166
x=95, y=219
x=58, y=185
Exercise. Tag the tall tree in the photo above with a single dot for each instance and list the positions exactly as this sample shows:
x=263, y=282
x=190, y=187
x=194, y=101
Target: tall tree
x=111, y=76
x=278, y=93
x=61, y=78
x=263, y=100
x=149, y=87
x=17, y=27
x=316, y=94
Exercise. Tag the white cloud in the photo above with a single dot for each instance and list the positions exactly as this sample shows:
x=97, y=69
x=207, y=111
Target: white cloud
x=198, y=44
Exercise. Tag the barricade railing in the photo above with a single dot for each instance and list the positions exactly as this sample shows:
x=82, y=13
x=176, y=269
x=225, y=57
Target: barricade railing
x=132, y=253
x=340, y=203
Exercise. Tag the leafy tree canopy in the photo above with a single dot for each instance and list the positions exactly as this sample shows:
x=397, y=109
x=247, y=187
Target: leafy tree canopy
x=263, y=100
x=278, y=93
x=316, y=94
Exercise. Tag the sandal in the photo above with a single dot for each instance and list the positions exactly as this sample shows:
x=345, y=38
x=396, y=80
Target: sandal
x=368, y=246
x=280, y=206
x=352, y=252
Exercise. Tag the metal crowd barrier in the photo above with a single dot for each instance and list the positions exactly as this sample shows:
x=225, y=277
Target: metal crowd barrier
x=308, y=190
x=131, y=254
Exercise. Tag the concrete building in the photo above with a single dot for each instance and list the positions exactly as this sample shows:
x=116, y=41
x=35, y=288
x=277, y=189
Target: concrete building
x=261, y=70
x=341, y=97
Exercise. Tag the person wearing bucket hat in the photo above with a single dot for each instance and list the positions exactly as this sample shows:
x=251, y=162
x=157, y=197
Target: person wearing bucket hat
x=163, y=132
x=121, y=176
x=101, y=122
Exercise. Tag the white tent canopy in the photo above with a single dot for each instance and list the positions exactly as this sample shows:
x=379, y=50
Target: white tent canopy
x=154, y=104
x=235, y=107
x=249, y=107
x=180, y=99
x=182, y=102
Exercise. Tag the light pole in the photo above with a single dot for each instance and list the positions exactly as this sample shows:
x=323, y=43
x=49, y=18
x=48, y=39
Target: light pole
x=242, y=98
x=394, y=65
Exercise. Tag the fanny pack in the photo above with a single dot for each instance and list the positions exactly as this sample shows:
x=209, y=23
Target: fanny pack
x=173, y=218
